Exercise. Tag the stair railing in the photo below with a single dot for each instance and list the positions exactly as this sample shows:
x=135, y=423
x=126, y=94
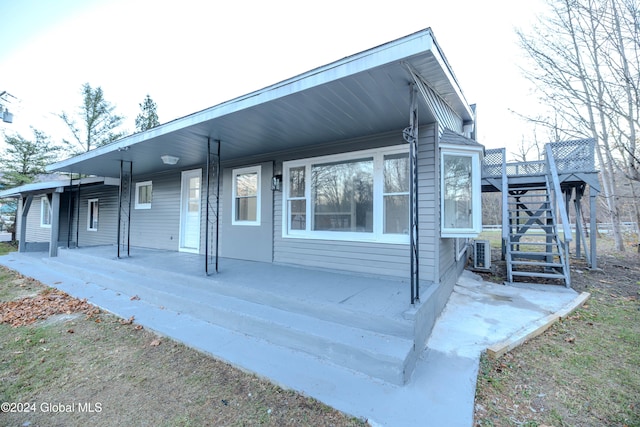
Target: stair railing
x=506, y=244
x=560, y=207
x=505, y=198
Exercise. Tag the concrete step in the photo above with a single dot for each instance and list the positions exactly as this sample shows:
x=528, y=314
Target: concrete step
x=219, y=285
x=382, y=355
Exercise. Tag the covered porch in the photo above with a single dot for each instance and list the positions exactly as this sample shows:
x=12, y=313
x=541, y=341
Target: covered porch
x=361, y=323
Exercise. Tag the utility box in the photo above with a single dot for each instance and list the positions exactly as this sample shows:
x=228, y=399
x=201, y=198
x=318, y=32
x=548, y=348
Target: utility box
x=481, y=254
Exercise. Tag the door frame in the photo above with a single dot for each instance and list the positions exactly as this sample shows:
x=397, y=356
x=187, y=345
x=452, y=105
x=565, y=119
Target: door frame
x=184, y=200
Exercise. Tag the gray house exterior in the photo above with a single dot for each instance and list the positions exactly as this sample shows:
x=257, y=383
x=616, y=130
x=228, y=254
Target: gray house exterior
x=366, y=166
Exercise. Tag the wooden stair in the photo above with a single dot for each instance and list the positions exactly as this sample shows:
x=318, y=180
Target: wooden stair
x=534, y=249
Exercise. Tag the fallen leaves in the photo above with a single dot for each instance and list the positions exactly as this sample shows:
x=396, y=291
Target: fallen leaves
x=129, y=321
x=48, y=303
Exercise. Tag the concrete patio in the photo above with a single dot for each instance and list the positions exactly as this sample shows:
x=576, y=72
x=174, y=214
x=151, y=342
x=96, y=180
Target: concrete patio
x=342, y=339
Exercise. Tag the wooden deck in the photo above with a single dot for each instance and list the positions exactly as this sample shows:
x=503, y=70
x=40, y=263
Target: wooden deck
x=536, y=208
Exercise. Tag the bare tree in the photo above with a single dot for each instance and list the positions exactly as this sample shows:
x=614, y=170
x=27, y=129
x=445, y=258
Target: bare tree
x=584, y=63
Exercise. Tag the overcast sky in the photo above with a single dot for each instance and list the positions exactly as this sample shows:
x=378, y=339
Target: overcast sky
x=193, y=54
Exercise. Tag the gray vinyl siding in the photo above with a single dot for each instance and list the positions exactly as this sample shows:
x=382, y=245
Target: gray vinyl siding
x=248, y=242
x=158, y=227
x=428, y=214
x=107, y=216
x=35, y=232
x=446, y=117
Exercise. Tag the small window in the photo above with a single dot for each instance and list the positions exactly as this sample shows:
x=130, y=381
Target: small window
x=92, y=215
x=143, y=195
x=461, y=214
x=45, y=212
x=246, y=196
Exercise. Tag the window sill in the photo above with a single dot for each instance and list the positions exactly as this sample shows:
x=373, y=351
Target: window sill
x=400, y=239
x=460, y=234
x=246, y=223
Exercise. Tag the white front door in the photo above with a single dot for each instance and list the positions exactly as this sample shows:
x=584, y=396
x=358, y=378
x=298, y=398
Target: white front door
x=190, y=211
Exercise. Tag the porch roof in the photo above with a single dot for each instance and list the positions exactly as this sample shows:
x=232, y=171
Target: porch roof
x=363, y=94
x=48, y=186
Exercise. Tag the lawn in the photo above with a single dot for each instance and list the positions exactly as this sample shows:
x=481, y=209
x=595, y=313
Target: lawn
x=65, y=363
x=584, y=371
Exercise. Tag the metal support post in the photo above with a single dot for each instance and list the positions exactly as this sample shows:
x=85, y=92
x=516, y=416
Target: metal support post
x=216, y=216
x=410, y=134
x=124, y=206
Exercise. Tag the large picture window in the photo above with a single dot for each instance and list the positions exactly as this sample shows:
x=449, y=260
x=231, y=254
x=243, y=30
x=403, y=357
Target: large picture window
x=461, y=191
x=342, y=194
x=362, y=196
x=246, y=196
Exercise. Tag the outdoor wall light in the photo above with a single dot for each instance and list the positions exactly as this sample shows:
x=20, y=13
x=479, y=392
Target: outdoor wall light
x=169, y=160
x=7, y=117
x=276, y=183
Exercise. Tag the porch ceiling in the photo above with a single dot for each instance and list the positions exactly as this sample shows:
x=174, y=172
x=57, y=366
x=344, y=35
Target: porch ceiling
x=364, y=94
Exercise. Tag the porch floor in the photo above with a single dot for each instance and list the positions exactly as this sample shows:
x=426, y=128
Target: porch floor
x=387, y=297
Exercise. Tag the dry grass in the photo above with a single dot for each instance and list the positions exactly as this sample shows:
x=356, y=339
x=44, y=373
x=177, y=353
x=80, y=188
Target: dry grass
x=76, y=369
x=584, y=370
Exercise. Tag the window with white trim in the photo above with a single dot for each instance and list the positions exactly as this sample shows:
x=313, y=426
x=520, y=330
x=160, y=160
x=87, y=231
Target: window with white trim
x=45, y=212
x=360, y=196
x=245, y=209
x=461, y=214
x=92, y=215
x=143, y=195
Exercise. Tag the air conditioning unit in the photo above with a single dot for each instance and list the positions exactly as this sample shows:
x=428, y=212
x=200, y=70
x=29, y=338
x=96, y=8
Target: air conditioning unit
x=481, y=254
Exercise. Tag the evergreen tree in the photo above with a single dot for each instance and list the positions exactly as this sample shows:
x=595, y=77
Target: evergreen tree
x=148, y=117
x=24, y=159
x=97, y=121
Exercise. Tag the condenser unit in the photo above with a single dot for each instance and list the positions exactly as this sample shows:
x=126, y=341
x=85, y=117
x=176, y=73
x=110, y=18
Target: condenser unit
x=481, y=254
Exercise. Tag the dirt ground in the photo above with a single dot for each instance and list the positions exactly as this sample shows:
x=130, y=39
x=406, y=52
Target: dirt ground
x=584, y=370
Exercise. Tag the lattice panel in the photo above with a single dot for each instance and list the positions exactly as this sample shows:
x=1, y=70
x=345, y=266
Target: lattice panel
x=526, y=168
x=492, y=164
x=574, y=156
